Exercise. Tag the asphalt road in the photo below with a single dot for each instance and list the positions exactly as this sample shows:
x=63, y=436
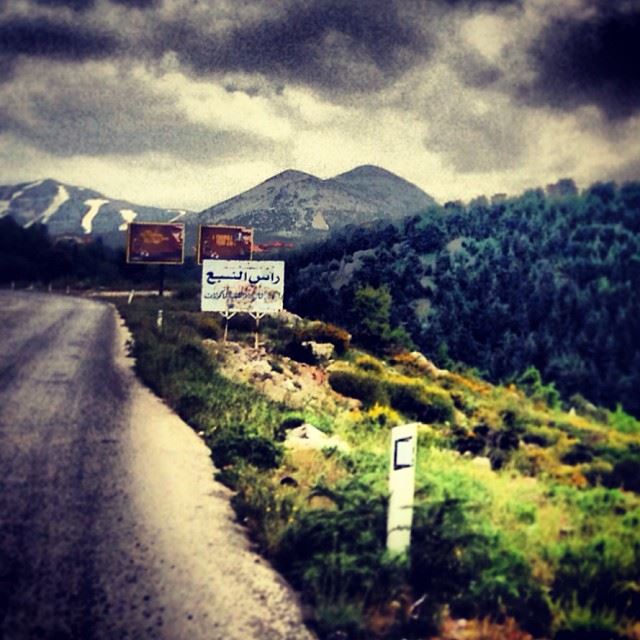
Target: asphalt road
x=110, y=524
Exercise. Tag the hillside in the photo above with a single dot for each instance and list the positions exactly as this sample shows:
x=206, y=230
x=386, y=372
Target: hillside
x=526, y=516
x=294, y=204
x=391, y=194
x=546, y=280
x=75, y=211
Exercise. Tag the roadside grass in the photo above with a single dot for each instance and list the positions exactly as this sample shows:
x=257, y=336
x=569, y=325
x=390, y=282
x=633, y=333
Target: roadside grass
x=526, y=516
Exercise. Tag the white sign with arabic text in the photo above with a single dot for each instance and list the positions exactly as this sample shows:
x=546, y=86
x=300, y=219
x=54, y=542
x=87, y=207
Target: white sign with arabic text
x=254, y=286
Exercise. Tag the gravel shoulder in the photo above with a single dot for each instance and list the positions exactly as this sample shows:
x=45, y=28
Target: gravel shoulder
x=111, y=525
x=225, y=585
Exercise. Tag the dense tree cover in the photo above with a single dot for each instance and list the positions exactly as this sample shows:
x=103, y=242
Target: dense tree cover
x=544, y=280
x=30, y=256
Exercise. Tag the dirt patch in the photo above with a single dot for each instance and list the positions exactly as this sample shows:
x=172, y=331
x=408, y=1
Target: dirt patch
x=295, y=384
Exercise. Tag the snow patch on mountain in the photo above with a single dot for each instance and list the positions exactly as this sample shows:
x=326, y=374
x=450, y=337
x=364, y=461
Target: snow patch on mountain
x=94, y=209
x=59, y=199
x=37, y=183
x=319, y=222
x=128, y=215
x=5, y=205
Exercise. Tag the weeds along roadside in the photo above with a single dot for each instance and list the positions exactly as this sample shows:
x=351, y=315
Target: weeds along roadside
x=525, y=545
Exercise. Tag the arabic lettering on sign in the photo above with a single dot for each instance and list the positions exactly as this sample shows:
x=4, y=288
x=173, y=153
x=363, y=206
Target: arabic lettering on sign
x=253, y=278
x=251, y=296
x=242, y=285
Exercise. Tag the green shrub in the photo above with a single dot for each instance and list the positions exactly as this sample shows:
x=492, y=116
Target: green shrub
x=208, y=326
x=190, y=404
x=292, y=422
x=587, y=623
x=440, y=531
x=370, y=364
x=419, y=401
x=300, y=352
x=578, y=454
x=623, y=422
x=541, y=436
x=337, y=557
x=237, y=444
x=455, y=561
x=361, y=385
x=531, y=383
x=502, y=584
x=326, y=332
x=625, y=474
x=600, y=572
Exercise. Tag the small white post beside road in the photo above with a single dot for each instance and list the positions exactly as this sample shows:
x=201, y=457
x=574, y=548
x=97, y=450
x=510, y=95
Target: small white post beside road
x=402, y=478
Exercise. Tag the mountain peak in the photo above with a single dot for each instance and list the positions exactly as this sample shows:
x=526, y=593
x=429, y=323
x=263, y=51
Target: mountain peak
x=368, y=171
x=390, y=191
x=289, y=175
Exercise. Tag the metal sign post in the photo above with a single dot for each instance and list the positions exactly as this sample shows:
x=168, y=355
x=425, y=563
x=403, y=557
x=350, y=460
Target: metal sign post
x=402, y=470
x=227, y=315
x=256, y=316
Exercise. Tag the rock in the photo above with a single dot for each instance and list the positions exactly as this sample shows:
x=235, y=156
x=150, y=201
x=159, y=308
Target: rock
x=481, y=462
x=289, y=385
x=260, y=368
x=322, y=351
x=306, y=436
x=288, y=319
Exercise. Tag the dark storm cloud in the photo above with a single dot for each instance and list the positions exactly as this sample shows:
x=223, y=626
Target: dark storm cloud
x=589, y=61
x=137, y=4
x=472, y=142
x=102, y=113
x=56, y=40
x=320, y=43
x=474, y=4
x=474, y=70
x=76, y=5
x=83, y=5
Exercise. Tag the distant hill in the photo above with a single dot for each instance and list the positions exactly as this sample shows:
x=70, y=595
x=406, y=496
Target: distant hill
x=75, y=211
x=294, y=204
x=290, y=206
x=391, y=194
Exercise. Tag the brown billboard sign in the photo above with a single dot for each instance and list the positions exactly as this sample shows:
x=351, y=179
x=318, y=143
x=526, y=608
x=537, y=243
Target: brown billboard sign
x=217, y=242
x=155, y=243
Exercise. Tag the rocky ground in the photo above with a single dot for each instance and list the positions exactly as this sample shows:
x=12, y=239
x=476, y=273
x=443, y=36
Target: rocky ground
x=298, y=385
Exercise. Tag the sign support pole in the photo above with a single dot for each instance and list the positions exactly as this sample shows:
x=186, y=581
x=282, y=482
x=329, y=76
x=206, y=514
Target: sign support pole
x=161, y=287
x=257, y=316
x=227, y=315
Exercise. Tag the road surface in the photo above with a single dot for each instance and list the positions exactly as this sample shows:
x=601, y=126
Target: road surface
x=111, y=525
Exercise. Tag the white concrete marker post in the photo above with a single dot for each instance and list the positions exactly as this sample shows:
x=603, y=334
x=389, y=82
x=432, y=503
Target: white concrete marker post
x=402, y=472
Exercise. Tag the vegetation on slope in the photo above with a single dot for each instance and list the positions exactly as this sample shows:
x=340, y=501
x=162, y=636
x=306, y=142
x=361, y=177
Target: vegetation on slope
x=526, y=517
x=546, y=281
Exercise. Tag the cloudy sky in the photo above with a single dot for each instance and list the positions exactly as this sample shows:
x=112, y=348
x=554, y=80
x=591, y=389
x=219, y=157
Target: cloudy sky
x=182, y=103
